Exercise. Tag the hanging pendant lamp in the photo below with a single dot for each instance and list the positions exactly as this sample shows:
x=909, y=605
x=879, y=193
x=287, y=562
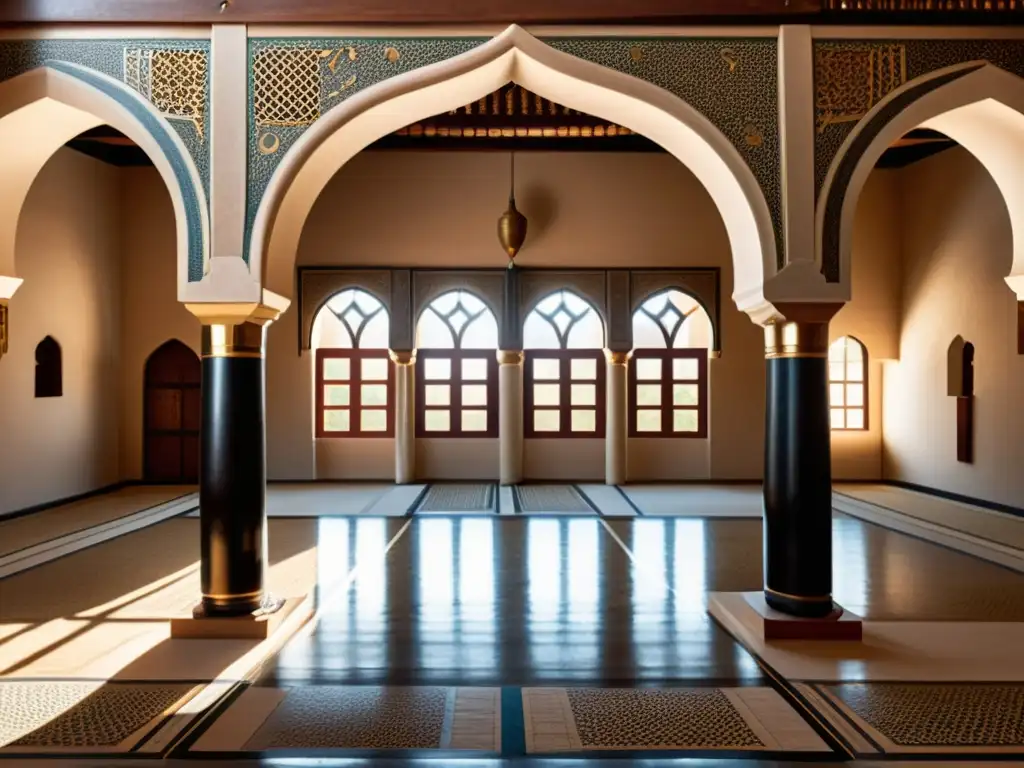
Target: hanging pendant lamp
x=512, y=224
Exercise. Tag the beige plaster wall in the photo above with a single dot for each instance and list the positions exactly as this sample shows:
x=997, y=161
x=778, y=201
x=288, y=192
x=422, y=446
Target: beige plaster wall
x=957, y=249
x=67, y=253
x=151, y=310
x=872, y=317
x=584, y=210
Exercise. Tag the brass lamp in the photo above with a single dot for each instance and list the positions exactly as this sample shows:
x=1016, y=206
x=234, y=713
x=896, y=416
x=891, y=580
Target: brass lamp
x=512, y=224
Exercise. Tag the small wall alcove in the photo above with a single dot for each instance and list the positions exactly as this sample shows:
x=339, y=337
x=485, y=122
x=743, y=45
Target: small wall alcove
x=49, y=369
x=960, y=384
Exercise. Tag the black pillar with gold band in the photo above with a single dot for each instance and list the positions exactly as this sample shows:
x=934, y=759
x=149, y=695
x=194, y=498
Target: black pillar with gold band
x=232, y=478
x=798, y=471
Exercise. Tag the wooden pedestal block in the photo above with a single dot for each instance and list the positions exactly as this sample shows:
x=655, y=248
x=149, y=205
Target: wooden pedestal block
x=253, y=626
x=747, y=612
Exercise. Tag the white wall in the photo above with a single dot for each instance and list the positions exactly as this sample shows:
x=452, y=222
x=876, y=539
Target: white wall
x=67, y=253
x=957, y=249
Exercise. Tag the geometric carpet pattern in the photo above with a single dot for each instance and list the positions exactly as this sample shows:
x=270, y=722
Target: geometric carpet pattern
x=69, y=715
x=343, y=717
x=637, y=718
x=939, y=715
x=458, y=497
x=551, y=499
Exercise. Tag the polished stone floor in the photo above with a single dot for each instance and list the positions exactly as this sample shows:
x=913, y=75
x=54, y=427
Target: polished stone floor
x=468, y=619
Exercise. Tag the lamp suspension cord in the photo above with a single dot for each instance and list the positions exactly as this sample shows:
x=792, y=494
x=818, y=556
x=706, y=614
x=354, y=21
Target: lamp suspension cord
x=512, y=175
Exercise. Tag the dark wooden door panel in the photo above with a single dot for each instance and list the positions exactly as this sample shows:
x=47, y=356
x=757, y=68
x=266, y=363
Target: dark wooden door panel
x=163, y=458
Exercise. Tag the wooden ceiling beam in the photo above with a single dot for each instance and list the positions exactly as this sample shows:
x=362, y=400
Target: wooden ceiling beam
x=393, y=11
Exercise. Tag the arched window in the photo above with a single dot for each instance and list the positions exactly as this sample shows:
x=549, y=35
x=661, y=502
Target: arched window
x=457, y=370
x=49, y=369
x=354, y=378
x=564, y=340
x=848, y=384
x=668, y=377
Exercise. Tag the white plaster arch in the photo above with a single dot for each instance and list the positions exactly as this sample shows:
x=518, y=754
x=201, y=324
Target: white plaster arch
x=515, y=56
x=983, y=111
x=44, y=108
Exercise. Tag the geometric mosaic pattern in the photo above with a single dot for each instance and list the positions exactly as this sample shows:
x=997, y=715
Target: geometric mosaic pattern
x=939, y=715
x=67, y=715
x=551, y=498
x=629, y=718
x=338, y=717
x=732, y=81
x=458, y=497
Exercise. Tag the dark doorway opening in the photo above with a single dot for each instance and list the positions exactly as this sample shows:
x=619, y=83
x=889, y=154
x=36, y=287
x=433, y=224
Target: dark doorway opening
x=172, y=403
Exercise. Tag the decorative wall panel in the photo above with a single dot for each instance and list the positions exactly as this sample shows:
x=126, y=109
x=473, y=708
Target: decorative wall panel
x=852, y=76
x=732, y=81
x=173, y=75
x=293, y=81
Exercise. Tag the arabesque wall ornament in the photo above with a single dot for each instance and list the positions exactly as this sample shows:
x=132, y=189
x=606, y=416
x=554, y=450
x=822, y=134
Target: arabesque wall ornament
x=173, y=80
x=849, y=81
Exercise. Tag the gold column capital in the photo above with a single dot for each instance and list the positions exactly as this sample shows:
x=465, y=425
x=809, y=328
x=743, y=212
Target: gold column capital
x=402, y=356
x=615, y=357
x=235, y=313
x=511, y=356
x=800, y=331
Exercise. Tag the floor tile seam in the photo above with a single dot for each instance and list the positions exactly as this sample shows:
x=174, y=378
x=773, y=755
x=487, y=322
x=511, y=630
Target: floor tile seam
x=78, y=534
x=116, y=534
x=918, y=535
x=848, y=717
x=789, y=691
x=753, y=722
x=117, y=529
x=922, y=522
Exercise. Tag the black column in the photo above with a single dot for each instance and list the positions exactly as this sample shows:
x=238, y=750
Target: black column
x=798, y=471
x=232, y=476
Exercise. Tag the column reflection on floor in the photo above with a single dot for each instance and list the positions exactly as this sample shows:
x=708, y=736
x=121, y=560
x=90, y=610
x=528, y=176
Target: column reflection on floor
x=484, y=601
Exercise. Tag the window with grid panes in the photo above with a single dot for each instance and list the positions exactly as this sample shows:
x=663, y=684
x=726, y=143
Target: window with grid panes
x=354, y=377
x=847, y=384
x=456, y=368
x=668, y=373
x=564, y=370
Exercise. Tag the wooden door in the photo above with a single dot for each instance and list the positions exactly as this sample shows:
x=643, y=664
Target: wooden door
x=171, y=417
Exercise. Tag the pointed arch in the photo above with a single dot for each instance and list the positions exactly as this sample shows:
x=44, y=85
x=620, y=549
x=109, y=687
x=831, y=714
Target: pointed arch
x=518, y=57
x=43, y=109
x=976, y=104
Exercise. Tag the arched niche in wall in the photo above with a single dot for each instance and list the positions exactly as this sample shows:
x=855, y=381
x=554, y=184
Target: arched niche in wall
x=49, y=369
x=960, y=384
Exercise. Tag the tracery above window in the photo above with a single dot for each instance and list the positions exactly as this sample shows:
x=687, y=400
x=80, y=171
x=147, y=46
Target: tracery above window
x=353, y=319
x=672, y=320
x=457, y=320
x=563, y=321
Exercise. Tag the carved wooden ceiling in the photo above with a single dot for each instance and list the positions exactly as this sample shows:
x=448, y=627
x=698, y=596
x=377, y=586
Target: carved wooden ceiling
x=509, y=118
x=509, y=11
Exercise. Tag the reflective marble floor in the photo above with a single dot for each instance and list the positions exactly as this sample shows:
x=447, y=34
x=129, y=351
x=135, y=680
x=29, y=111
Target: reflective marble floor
x=485, y=601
